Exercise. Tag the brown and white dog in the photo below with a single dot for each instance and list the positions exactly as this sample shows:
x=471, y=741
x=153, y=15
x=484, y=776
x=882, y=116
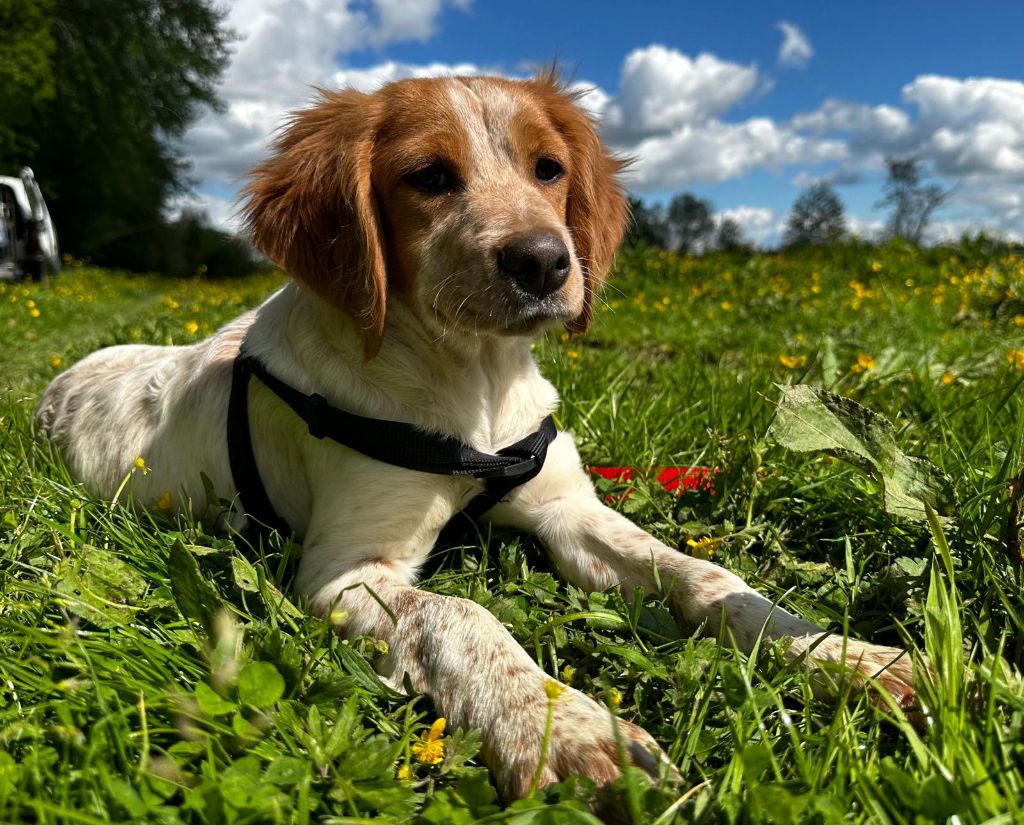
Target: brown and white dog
x=432, y=229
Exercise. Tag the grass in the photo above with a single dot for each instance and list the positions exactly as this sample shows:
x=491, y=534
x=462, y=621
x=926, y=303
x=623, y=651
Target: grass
x=152, y=672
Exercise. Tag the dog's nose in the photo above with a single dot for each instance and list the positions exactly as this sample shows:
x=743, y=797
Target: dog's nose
x=537, y=261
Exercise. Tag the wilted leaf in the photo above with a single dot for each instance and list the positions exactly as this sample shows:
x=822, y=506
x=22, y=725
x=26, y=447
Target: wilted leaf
x=101, y=588
x=195, y=596
x=811, y=419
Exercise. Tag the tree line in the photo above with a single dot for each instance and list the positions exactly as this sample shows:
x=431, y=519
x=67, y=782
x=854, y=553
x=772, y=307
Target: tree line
x=818, y=218
x=95, y=95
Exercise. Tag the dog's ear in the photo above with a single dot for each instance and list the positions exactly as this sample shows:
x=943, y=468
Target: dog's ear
x=597, y=210
x=310, y=208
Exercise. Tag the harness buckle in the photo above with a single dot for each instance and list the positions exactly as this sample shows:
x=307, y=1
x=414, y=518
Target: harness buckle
x=526, y=465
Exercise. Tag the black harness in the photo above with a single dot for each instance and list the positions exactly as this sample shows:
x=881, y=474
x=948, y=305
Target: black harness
x=393, y=442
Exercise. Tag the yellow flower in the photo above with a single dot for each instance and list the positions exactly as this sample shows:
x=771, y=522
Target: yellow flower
x=34, y=312
x=553, y=689
x=191, y=327
x=614, y=697
x=403, y=774
x=166, y=501
x=140, y=464
x=30, y=303
x=430, y=751
x=1015, y=358
x=865, y=361
x=703, y=548
x=726, y=305
x=948, y=378
x=573, y=353
x=382, y=647
x=54, y=360
x=792, y=362
x=1018, y=320
x=567, y=673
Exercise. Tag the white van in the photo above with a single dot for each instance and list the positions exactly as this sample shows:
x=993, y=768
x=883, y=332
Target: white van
x=28, y=241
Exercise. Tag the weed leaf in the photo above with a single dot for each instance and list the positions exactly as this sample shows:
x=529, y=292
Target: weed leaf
x=195, y=596
x=811, y=419
x=260, y=685
x=101, y=588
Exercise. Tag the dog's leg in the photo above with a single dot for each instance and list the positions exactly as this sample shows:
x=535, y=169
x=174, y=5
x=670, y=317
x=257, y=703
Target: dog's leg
x=478, y=676
x=595, y=548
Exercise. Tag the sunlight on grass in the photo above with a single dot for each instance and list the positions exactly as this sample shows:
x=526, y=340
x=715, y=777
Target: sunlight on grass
x=153, y=671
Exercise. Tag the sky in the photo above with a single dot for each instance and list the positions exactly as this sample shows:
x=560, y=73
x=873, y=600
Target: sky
x=742, y=103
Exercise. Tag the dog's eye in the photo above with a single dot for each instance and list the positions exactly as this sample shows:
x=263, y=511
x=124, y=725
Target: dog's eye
x=548, y=170
x=433, y=179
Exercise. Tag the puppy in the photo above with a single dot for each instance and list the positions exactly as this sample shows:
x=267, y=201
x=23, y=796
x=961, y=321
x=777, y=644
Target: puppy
x=433, y=229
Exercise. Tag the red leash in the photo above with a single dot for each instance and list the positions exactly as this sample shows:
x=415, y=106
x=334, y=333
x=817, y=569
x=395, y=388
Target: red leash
x=673, y=479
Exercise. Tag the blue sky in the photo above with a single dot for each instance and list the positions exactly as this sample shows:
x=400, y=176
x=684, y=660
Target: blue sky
x=702, y=94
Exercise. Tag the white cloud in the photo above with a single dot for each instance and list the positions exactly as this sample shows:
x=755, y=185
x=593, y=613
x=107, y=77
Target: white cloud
x=761, y=225
x=668, y=114
x=795, y=49
x=717, y=151
x=661, y=90
x=969, y=132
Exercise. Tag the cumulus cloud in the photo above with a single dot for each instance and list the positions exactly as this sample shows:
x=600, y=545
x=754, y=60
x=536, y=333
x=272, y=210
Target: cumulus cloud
x=661, y=90
x=968, y=131
x=795, y=49
x=716, y=151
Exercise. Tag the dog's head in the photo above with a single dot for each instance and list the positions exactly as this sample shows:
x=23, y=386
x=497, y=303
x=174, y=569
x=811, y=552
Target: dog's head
x=490, y=204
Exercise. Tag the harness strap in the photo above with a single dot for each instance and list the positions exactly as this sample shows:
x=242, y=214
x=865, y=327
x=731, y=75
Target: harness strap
x=392, y=442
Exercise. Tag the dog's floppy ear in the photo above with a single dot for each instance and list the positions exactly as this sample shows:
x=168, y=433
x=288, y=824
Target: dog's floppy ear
x=597, y=209
x=310, y=208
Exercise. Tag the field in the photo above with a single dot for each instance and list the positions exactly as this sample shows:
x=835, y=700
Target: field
x=151, y=672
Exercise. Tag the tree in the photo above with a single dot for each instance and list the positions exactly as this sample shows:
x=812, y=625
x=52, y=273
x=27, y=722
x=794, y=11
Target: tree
x=648, y=224
x=190, y=247
x=818, y=218
x=26, y=75
x=129, y=76
x=729, y=236
x=912, y=202
x=690, y=223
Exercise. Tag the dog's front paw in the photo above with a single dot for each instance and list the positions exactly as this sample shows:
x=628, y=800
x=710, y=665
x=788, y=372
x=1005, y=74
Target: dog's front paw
x=582, y=742
x=868, y=667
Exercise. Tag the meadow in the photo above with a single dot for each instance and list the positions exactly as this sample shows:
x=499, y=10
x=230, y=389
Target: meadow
x=151, y=671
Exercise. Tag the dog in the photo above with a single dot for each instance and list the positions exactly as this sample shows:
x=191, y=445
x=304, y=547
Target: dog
x=432, y=230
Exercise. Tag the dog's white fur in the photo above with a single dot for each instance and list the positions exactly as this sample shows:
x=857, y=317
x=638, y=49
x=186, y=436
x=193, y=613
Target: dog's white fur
x=452, y=357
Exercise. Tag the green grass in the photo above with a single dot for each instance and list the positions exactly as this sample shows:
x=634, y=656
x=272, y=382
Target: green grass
x=152, y=672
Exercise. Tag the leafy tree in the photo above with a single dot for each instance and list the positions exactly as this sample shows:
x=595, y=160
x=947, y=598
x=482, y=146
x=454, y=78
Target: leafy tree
x=26, y=75
x=911, y=200
x=189, y=247
x=729, y=236
x=690, y=223
x=818, y=218
x=648, y=224
x=129, y=76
